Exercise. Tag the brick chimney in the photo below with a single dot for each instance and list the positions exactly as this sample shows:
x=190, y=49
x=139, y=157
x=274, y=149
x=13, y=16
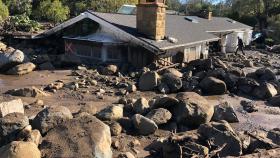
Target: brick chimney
x=151, y=18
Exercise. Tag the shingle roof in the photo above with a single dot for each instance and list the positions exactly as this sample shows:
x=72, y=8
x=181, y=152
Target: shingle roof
x=176, y=26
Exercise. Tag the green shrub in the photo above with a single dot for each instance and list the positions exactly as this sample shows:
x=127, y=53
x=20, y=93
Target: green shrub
x=52, y=10
x=23, y=23
x=19, y=6
x=4, y=12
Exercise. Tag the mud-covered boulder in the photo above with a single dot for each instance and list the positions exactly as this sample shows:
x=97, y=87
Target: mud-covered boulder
x=110, y=113
x=50, y=117
x=20, y=149
x=22, y=69
x=226, y=112
x=173, y=82
x=12, y=106
x=27, y=92
x=213, y=86
x=159, y=116
x=220, y=134
x=10, y=127
x=192, y=109
x=84, y=136
x=149, y=81
x=143, y=125
x=10, y=58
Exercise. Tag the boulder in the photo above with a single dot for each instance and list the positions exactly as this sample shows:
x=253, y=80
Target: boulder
x=219, y=63
x=173, y=82
x=163, y=88
x=175, y=72
x=166, y=102
x=115, y=128
x=27, y=92
x=274, y=135
x=159, y=116
x=149, y=81
x=109, y=70
x=265, y=74
x=84, y=136
x=89, y=108
x=192, y=109
x=226, y=112
x=144, y=125
x=50, y=117
x=213, y=86
x=10, y=58
x=46, y=66
x=131, y=88
x=20, y=149
x=3, y=46
x=10, y=127
x=248, y=63
x=126, y=155
x=265, y=91
x=247, y=85
x=275, y=101
x=272, y=153
x=35, y=137
x=22, y=69
x=221, y=133
x=141, y=106
x=13, y=106
x=110, y=113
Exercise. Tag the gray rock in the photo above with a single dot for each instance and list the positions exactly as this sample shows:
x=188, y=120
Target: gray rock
x=173, y=82
x=213, y=86
x=10, y=58
x=226, y=112
x=10, y=127
x=12, y=106
x=84, y=136
x=149, y=81
x=274, y=135
x=265, y=91
x=22, y=69
x=50, y=117
x=110, y=113
x=221, y=133
x=109, y=70
x=166, y=102
x=144, y=125
x=141, y=106
x=159, y=116
x=192, y=109
x=265, y=74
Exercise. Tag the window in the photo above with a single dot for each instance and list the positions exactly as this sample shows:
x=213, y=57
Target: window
x=114, y=53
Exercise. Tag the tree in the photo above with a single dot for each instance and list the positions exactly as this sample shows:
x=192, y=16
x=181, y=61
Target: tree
x=52, y=10
x=4, y=12
x=173, y=4
x=19, y=6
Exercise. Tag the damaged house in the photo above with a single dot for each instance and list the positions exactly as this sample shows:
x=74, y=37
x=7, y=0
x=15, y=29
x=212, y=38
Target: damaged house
x=150, y=36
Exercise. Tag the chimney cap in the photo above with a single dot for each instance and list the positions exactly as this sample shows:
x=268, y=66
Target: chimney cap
x=151, y=1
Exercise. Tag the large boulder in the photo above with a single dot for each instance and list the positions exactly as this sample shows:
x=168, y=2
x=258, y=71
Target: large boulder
x=84, y=136
x=144, y=125
x=192, y=109
x=50, y=117
x=110, y=113
x=213, y=86
x=265, y=91
x=27, y=92
x=159, y=116
x=22, y=69
x=175, y=72
x=220, y=134
x=10, y=127
x=275, y=101
x=226, y=112
x=247, y=85
x=12, y=106
x=274, y=135
x=166, y=102
x=173, y=82
x=109, y=70
x=149, y=81
x=141, y=106
x=10, y=58
x=20, y=149
x=265, y=74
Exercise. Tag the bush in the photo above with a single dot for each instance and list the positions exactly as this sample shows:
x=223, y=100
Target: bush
x=4, y=12
x=19, y=6
x=23, y=23
x=52, y=10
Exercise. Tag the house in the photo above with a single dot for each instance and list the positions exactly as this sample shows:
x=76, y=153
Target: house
x=150, y=36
